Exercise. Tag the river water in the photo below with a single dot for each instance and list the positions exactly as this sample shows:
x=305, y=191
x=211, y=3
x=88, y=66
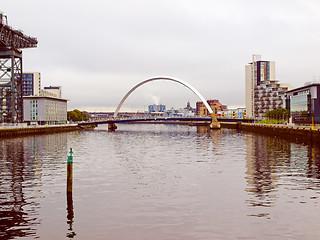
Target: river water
x=159, y=182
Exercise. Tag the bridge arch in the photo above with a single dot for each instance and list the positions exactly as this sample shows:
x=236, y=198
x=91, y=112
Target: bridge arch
x=166, y=79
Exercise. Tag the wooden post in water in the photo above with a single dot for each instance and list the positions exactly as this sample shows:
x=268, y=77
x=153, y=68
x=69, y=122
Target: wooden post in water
x=69, y=172
x=70, y=213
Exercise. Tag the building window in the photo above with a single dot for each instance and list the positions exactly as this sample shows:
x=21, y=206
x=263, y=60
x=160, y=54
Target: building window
x=33, y=110
x=299, y=103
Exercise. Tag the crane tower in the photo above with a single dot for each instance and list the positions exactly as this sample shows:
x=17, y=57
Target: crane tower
x=11, y=43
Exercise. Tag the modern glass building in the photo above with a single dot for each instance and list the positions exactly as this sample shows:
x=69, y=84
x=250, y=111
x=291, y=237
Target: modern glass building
x=304, y=103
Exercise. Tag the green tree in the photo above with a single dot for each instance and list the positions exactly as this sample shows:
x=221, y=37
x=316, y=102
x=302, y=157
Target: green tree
x=76, y=115
x=279, y=113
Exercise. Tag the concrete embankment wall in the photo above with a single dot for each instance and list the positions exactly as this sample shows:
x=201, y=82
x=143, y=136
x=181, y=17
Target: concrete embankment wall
x=13, y=132
x=291, y=132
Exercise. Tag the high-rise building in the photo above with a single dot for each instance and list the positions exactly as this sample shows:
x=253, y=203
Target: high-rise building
x=263, y=92
x=31, y=83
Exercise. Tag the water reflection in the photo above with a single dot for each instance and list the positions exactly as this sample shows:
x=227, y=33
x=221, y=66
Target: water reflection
x=205, y=130
x=70, y=216
x=173, y=182
x=313, y=161
x=275, y=164
x=14, y=220
x=21, y=167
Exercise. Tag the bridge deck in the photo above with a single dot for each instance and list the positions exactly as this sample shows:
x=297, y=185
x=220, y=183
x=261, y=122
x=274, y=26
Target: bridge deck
x=163, y=119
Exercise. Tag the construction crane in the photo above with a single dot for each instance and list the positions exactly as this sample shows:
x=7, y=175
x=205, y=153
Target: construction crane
x=11, y=43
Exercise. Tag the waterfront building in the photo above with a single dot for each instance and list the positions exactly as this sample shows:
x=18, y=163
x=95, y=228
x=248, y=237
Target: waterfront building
x=156, y=108
x=31, y=83
x=187, y=111
x=100, y=115
x=232, y=113
x=263, y=91
x=54, y=91
x=42, y=106
x=32, y=86
x=215, y=105
x=304, y=103
x=180, y=112
x=46, y=93
x=44, y=110
x=268, y=95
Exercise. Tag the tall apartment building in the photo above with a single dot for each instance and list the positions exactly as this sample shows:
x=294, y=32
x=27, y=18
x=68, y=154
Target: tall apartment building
x=31, y=83
x=263, y=92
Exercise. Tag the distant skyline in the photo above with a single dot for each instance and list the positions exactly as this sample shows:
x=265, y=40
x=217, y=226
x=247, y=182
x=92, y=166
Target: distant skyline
x=98, y=50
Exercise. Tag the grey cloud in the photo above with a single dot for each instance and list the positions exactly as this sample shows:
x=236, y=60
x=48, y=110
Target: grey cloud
x=99, y=49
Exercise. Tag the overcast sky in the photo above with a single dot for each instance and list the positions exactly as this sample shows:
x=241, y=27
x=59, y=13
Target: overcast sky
x=98, y=50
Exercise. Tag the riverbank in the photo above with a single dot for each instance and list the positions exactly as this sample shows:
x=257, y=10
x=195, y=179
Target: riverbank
x=32, y=130
x=292, y=132
x=301, y=133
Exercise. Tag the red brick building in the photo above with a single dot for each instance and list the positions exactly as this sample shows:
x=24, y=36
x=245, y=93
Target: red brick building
x=215, y=105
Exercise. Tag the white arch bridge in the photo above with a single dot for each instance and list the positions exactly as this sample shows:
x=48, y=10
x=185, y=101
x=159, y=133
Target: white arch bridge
x=214, y=122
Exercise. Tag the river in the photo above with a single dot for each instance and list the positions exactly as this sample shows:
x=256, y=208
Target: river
x=159, y=182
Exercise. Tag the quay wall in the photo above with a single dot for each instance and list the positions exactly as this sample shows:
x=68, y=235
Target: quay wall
x=14, y=132
x=305, y=134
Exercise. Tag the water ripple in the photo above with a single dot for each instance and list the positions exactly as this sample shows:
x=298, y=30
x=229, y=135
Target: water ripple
x=159, y=181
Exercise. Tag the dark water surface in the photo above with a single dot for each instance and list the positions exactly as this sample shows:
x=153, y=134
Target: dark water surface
x=159, y=182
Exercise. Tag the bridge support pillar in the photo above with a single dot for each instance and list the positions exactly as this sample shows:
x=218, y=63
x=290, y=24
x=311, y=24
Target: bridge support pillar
x=214, y=122
x=112, y=127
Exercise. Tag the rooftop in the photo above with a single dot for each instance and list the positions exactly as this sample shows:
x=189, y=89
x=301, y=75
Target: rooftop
x=304, y=87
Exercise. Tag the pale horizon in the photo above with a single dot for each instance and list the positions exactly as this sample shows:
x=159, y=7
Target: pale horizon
x=204, y=43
